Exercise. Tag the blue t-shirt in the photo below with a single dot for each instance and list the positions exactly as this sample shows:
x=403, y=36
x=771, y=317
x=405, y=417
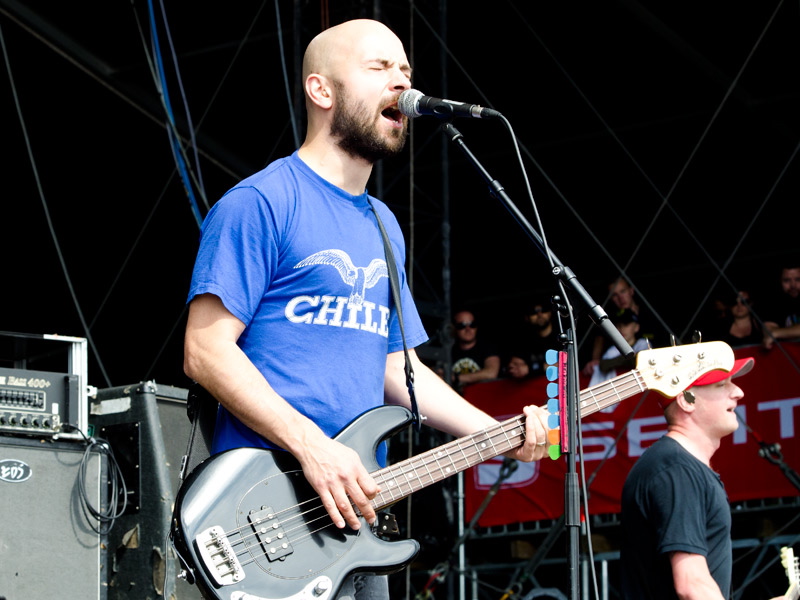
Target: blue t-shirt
x=301, y=263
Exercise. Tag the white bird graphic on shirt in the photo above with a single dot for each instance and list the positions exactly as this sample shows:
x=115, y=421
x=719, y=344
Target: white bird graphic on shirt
x=361, y=278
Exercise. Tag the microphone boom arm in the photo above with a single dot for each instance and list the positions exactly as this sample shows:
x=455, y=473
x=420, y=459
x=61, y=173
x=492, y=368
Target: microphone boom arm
x=559, y=270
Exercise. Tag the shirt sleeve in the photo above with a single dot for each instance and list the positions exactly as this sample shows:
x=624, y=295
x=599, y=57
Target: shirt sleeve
x=238, y=252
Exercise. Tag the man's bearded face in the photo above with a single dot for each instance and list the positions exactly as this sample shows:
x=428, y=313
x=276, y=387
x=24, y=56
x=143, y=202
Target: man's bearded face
x=355, y=126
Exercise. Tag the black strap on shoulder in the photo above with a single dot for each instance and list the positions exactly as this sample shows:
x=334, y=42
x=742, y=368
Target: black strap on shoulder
x=201, y=408
x=394, y=282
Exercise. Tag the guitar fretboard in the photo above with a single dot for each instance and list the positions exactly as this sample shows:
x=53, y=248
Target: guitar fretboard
x=406, y=477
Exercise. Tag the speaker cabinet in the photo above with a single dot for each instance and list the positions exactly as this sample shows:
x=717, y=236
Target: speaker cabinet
x=147, y=428
x=48, y=547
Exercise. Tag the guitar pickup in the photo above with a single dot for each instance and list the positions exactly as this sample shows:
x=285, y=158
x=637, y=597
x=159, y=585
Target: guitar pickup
x=218, y=556
x=270, y=533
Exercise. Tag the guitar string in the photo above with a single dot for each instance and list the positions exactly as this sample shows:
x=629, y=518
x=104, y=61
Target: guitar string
x=596, y=395
x=437, y=456
x=445, y=453
x=424, y=458
x=428, y=458
x=606, y=393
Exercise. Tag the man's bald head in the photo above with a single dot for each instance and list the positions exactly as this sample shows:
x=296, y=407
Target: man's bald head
x=353, y=75
x=335, y=46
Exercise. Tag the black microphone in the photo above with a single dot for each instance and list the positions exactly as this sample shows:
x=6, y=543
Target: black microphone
x=413, y=104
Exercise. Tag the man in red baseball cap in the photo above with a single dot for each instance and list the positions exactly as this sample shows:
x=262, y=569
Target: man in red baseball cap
x=741, y=366
x=676, y=518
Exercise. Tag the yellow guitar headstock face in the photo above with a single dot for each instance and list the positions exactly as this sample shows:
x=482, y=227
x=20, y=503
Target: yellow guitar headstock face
x=670, y=370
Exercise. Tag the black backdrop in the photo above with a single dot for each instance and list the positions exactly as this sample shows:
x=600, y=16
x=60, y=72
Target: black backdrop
x=659, y=140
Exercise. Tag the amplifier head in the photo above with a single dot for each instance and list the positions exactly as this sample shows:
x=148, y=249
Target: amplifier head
x=37, y=403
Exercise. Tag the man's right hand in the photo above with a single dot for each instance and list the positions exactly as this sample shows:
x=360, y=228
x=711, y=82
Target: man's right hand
x=214, y=360
x=339, y=477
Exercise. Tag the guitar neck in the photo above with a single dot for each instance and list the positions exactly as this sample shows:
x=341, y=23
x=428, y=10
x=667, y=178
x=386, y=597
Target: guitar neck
x=406, y=477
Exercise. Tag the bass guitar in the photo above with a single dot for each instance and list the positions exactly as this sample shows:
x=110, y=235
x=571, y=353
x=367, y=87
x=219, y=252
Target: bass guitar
x=248, y=526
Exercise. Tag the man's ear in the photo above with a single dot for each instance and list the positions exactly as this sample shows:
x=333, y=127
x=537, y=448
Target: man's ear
x=319, y=91
x=686, y=400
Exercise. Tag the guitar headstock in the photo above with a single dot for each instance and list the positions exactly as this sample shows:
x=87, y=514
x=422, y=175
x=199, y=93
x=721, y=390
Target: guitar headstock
x=670, y=370
x=789, y=563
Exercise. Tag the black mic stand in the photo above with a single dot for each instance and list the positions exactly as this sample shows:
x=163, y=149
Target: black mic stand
x=569, y=425
x=772, y=453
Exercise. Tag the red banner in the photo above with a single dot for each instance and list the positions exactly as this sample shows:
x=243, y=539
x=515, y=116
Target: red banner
x=615, y=437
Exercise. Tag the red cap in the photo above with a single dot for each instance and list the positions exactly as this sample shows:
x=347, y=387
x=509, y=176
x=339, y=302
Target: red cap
x=741, y=366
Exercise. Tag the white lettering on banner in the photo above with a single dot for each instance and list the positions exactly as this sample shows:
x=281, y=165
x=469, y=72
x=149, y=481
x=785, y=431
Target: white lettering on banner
x=320, y=310
x=637, y=434
x=487, y=473
x=785, y=410
x=740, y=435
x=606, y=443
x=642, y=432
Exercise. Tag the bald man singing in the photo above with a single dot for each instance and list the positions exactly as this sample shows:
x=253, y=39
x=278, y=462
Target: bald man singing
x=292, y=325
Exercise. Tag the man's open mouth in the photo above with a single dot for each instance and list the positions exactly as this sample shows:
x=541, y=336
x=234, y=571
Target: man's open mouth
x=393, y=113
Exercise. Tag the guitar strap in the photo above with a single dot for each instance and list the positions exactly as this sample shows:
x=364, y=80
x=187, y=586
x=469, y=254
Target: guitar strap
x=394, y=282
x=201, y=408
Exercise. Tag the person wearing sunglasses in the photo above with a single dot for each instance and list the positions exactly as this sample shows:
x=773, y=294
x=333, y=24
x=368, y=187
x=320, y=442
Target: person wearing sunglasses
x=474, y=359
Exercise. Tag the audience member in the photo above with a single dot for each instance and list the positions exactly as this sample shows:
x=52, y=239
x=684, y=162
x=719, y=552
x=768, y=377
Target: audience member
x=741, y=328
x=715, y=318
x=623, y=297
x=782, y=315
x=517, y=367
x=538, y=335
x=474, y=359
x=612, y=363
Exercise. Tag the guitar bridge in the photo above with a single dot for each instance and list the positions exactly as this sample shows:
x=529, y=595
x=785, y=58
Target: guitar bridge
x=218, y=555
x=270, y=533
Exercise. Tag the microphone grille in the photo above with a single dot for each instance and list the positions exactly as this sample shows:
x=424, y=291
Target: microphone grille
x=408, y=101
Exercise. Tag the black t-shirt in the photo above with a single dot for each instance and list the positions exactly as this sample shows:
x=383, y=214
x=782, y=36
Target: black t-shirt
x=783, y=310
x=537, y=349
x=672, y=502
x=471, y=361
